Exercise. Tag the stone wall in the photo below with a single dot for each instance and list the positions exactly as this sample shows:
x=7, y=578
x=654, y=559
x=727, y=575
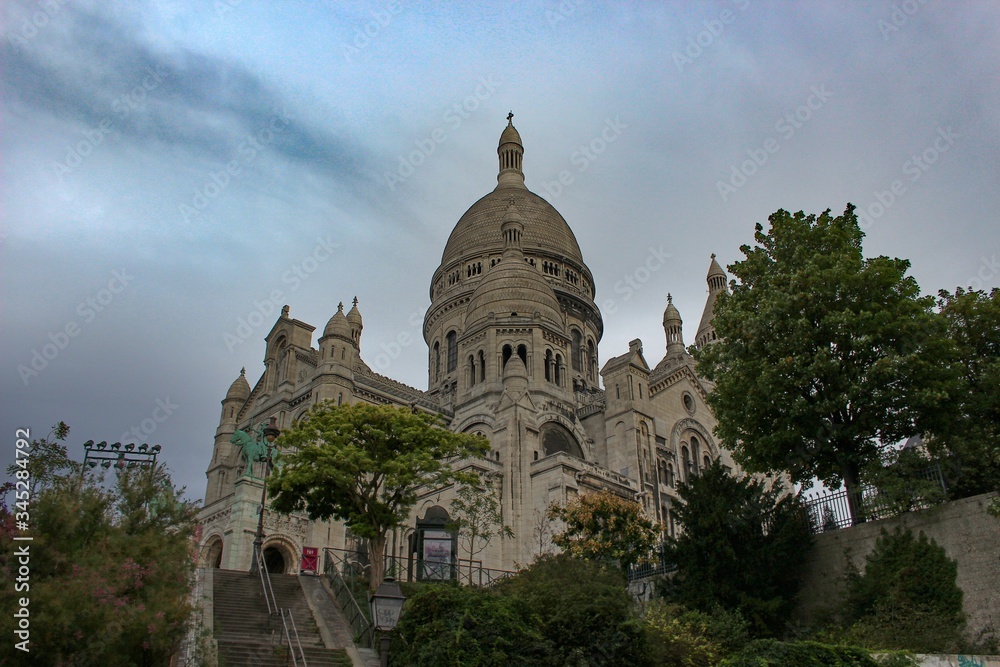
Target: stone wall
x=963, y=528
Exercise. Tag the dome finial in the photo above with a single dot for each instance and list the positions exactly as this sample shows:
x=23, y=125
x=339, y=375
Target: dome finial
x=355, y=302
x=243, y=371
x=340, y=307
x=510, y=118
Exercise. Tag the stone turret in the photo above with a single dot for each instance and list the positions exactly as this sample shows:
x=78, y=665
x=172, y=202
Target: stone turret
x=356, y=324
x=716, y=285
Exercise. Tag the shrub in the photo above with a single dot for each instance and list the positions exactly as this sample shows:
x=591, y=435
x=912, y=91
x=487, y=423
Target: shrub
x=773, y=653
x=584, y=610
x=676, y=637
x=906, y=598
x=451, y=625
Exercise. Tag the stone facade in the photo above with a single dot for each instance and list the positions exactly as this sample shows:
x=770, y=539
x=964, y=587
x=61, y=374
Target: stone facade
x=512, y=334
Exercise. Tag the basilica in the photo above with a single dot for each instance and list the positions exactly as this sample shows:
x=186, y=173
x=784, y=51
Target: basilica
x=512, y=334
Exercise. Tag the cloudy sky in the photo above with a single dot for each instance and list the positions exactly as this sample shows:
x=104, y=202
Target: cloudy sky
x=175, y=172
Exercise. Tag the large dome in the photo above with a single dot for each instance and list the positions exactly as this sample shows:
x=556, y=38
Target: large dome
x=478, y=231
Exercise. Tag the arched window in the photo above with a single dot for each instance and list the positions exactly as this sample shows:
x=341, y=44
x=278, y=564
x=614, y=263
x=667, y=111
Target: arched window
x=576, y=351
x=686, y=462
x=707, y=461
x=591, y=361
x=452, y=339
x=436, y=361
x=557, y=438
x=558, y=369
x=522, y=351
x=508, y=351
x=482, y=366
x=472, y=370
x=670, y=475
x=548, y=365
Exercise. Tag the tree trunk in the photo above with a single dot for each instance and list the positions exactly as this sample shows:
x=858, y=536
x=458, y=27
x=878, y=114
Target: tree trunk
x=852, y=482
x=376, y=554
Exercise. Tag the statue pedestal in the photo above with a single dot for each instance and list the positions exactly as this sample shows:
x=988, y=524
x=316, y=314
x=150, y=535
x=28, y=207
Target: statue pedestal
x=243, y=524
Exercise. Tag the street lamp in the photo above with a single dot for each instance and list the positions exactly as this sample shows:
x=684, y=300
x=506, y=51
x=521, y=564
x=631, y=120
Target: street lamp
x=387, y=606
x=268, y=434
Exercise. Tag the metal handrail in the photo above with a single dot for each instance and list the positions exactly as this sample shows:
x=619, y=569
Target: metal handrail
x=265, y=584
x=342, y=593
x=288, y=638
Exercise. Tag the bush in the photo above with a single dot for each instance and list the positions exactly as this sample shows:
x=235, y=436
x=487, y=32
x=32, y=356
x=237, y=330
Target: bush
x=772, y=653
x=584, y=609
x=676, y=637
x=451, y=625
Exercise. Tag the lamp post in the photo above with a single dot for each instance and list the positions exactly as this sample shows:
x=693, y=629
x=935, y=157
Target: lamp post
x=387, y=606
x=268, y=434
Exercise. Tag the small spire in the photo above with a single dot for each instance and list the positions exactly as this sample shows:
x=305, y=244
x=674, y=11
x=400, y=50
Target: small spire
x=670, y=299
x=284, y=310
x=355, y=301
x=510, y=118
x=340, y=307
x=243, y=371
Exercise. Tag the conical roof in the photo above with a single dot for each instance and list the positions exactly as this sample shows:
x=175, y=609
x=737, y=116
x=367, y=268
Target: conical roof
x=354, y=315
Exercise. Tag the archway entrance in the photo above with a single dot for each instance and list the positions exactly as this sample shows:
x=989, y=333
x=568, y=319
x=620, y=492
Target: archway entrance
x=212, y=553
x=274, y=560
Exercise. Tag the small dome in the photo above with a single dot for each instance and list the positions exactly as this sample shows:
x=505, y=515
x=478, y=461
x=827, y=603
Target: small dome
x=510, y=135
x=338, y=324
x=513, y=288
x=240, y=388
x=515, y=368
x=671, y=315
x=354, y=315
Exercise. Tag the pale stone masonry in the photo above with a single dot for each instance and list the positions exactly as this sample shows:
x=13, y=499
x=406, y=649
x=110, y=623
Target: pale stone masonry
x=512, y=334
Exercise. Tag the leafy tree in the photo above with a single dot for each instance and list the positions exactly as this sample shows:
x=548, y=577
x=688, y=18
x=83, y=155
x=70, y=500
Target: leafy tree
x=605, y=527
x=967, y=435
x=584, y=612
x=477, y=517
x=110, y=571
x=451, y=625
x=904, y=481
x=741, y=548
x=47, y=460
x=364, y=464
x=906, y=598
x=822, y=353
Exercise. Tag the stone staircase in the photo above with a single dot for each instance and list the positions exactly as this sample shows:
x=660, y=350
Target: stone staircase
x=247, y=636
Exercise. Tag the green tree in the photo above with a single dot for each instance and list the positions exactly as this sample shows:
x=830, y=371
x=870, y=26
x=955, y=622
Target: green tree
x=477, y=518
x=450, y=625
x=967, y=434
x=110, y=571
x=741, y=548
x=364, y=464
x=823, y=354
x=584, y=611
x=604, y=527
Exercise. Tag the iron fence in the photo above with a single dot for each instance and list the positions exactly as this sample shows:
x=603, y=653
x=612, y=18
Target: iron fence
x=835, y=510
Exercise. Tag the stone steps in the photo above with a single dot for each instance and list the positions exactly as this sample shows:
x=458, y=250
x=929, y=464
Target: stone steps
x=247, y=635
